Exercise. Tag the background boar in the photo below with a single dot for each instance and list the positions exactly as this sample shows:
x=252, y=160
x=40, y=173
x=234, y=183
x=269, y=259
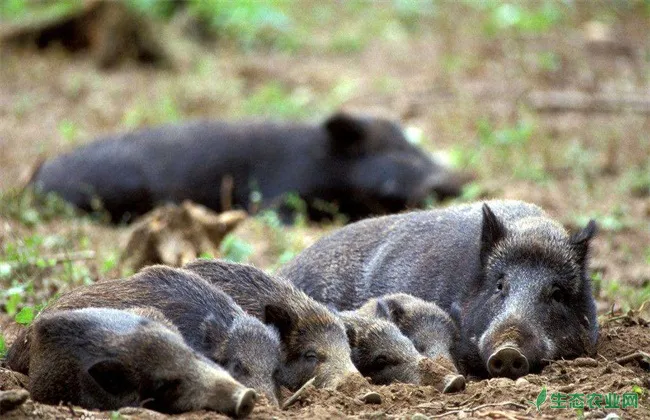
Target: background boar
x=314, y=341
x=208, y=319
x=107, y=359
x=363, y=165
x=516, y=279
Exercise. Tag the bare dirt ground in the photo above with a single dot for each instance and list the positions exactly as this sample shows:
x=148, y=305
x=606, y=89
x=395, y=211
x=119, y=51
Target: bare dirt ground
x=468, y=93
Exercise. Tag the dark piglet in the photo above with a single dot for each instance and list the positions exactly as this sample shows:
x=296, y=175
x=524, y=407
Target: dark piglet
x=362, y=165
x=314, y=341
x=432, y=330
x=516, y=280
x=208, y=319
x=107, y=359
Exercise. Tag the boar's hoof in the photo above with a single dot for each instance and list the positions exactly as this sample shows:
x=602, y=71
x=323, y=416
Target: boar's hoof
x=453, y=383
x=245, y=403
x=508, y=362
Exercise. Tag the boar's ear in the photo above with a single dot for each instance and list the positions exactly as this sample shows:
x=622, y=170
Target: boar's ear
x=280, y=318
x=346, y=134
x=492, y=232
x=113, y=376
x=580, y=241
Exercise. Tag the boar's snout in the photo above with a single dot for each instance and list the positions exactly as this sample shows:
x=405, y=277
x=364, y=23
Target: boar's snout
x=508, y=362
x=244, y=402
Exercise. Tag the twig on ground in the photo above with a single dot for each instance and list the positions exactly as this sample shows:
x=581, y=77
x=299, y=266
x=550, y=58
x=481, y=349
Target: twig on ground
x=296, y=395
x=478, y=407
x=632, y=357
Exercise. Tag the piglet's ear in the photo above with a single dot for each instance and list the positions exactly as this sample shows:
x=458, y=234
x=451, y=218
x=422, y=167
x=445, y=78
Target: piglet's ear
x=280, y=318
x=351, y=332
x=346, y=134
x=391, y=310
x=209, y=329
x=492, y=233
x=580, y=241
x=113, y=376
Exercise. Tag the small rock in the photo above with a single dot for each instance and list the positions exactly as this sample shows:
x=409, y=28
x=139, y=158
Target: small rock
x=521, y=383
x=585, y=362
x=419, y=416
x=567, y=388
x=371, y=398
x=10, y=400
x=501, y=382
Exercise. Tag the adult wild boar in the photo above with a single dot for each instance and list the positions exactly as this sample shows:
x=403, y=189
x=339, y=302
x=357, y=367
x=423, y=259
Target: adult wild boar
x=363, y=165
x=514, y=278
x=107, y=359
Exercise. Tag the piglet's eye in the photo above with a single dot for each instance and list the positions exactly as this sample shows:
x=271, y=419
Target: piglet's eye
x=311, y=356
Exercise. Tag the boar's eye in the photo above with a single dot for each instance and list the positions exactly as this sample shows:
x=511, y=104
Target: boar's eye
x=557, y=295
x=311, y=356
x=500, y=281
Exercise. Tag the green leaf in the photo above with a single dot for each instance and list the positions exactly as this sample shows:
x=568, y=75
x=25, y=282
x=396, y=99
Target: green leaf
x=25, y=316
x=3, y=346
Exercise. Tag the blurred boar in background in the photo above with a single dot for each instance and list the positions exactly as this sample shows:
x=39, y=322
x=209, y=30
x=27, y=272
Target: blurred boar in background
x=357, y=166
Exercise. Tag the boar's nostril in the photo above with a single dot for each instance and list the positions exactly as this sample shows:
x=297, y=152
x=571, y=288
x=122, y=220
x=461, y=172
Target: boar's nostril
x=246, y=403
x=508, y=362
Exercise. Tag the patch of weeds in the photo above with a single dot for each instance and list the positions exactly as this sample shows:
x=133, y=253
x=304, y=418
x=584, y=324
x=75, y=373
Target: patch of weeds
x=411, y=13
x=615, y=221
x=626, y=296
x=273, y=99
x=249, y=24
x=507, y=147
x=235, y=249
x=31, y=208
x=109, y=263
x=3, y=346
x=347, y=42
x=34, y=267
x=163, y=111
x=524, y=18
x=36, y=10
x=548, y=61
x=69, y=131
x=636, y=181
x=286, y=242
x=156, y=8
